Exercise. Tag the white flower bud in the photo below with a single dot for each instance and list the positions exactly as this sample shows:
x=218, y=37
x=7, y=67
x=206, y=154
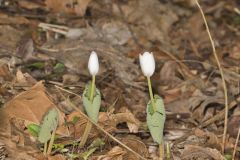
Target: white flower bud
x=93, y=65
x=147, y=64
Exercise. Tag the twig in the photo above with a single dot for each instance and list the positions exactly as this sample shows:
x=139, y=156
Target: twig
x=222, y=76
x=236, y=144
x=101, y=129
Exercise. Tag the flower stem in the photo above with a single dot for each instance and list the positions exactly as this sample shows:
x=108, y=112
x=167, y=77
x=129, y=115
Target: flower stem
x=92, y=88
x=161, y=151
x=89, y=124
x=45, y=149
x=151, y=94
x=50, y=145
x=85, y=134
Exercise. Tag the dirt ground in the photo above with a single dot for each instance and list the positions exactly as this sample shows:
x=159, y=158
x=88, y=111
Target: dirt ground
x=44, y=51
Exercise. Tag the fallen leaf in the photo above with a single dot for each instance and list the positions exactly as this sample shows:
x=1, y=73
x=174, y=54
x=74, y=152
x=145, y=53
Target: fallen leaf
x=211, y=139
x=77, y=7
x=115, y=153
x=132, y=123
x=5, y=19
x=32, y=105
x=193, y=152
x=56, y=157
x=137, y=145
x=30, y=5
x=4, y=71
x=235, y=52
x=24, y=79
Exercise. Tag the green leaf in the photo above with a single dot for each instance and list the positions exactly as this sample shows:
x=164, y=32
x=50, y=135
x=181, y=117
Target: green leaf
x=33, y=129
x=156, y=120
x=49, y=123
x=88, y=153
x=59, y=68
x=97, y=143
x=75, y=119
x=37, y=65
x=228, y=156
x=92, y=108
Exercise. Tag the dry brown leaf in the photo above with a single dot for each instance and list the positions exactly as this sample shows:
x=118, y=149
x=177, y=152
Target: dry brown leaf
x=32, y=105
x=77, y=7
x=115, y=153
x=4, y=71
x=56, y=157
x=168, y=74
x=24, y=79
x=235, y=52
x=132, y=123
x=30, y=5
x=5, y=19
x=137, y=145
x=211, y=139
x=78, y=128
x=193, y=152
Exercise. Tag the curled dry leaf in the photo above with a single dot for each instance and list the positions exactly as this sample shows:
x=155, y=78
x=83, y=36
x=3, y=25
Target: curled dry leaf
x=126, y=116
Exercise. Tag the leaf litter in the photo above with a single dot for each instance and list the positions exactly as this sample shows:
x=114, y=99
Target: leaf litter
x=58, y=36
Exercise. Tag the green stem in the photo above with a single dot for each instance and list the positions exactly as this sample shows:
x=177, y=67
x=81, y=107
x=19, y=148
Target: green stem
x=45, y=149
x=51, y=142
x=168, y=152
x=161, y=151
x=85, y=134
x=92, y=88
x=89, y=124
x=151, y=94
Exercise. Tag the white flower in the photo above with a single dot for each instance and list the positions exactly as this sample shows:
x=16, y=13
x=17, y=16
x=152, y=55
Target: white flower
x=93, y=65
x=147, y=64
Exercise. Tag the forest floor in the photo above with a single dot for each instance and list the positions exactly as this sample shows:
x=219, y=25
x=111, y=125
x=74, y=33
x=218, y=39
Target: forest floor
x=44, y=51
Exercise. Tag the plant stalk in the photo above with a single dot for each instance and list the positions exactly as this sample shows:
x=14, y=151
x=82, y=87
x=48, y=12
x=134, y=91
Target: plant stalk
x=50, y=145
x=45, y=149
x=92, y=88
x=89, y=124
x=151, y=94
x=161, y=151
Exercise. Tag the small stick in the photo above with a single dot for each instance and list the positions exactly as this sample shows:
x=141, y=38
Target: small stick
x=236, y=144
x=222, y=76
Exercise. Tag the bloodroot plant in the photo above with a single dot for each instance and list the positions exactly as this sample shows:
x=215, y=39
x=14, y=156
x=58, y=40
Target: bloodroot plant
x=91, y=97
x=155, y=108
